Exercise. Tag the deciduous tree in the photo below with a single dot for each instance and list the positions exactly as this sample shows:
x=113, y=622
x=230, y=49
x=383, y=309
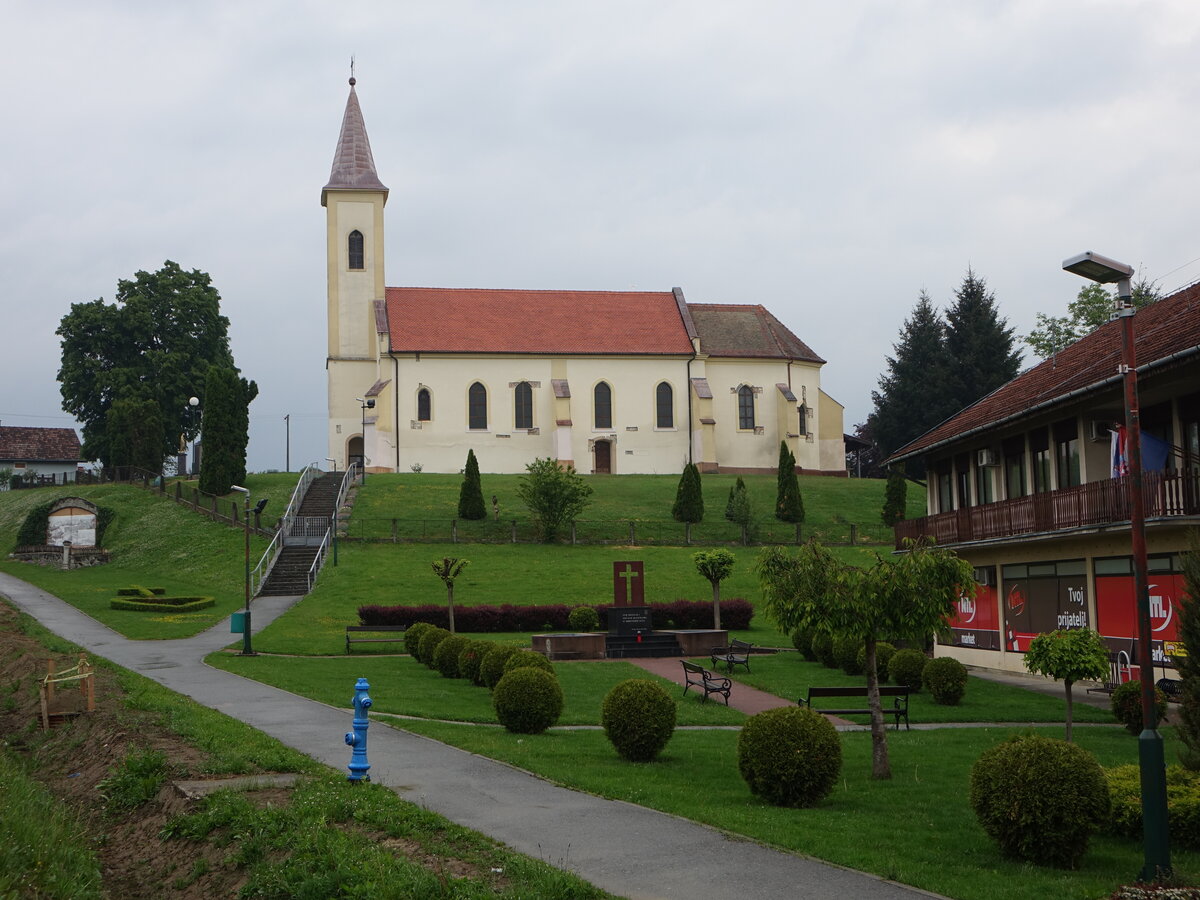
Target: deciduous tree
x=1188, y=663
x=1068, y=655
x=716, y=566
x=1090, y=309
x=134, y=429
x=554, y=495
x=448, y=569
x=909, y=597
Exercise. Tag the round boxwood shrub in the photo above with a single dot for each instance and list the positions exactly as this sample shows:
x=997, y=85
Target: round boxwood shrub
x=523, y=658
x=946, y=679
x=905, y=667
x=445, y=657
x=584, y=618
x=429, y=644
x=845, y=651
x=802, y=639
x=470, y=660
x=1041, y=799
x=790, y=756
x=1183, y=804
x=822, y=648
x=527, y=700
x=412, y=638
x=883, y=655
x=1127, y=705
x=639, y=718
x=492, y=666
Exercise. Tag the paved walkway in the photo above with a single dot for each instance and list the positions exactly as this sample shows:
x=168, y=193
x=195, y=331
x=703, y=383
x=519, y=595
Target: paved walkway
x=742, y=698
x=625, y=849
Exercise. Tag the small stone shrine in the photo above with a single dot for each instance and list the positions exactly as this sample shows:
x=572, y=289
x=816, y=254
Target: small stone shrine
x=72, y=535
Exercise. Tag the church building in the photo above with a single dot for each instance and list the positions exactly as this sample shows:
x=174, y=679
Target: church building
x=617, y=382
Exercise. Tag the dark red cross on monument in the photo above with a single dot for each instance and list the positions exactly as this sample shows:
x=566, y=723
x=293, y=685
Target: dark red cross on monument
x=629, y=583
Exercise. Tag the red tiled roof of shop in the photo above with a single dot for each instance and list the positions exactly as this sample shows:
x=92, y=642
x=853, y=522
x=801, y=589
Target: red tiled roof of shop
x=468, y=320
x=20, y=443
x=1161, y=330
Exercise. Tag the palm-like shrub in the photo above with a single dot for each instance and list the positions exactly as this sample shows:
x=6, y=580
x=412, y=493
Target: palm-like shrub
x=638, y=718
x=445, y=657
x=527, y=700
x=790, y=756
x=946, y=679
x=906, y=666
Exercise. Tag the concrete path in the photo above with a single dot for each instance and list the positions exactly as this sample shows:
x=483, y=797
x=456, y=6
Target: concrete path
x=742, y=698
x=625, y=849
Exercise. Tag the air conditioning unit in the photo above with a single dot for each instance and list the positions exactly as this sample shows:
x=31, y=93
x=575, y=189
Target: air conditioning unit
x=1098, y=432
x=986, y=457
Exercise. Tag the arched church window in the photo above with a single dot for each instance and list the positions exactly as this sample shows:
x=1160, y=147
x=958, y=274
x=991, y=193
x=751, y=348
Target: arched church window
x=664, y=405
x=602, y=404
x=803, y=426
x=477, y=407
x=746, y=407
x=424, y=405
x=354, y=246
x=523, y=406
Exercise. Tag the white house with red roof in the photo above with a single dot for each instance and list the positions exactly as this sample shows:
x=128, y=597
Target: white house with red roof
x=616, y=382
x=48, y=455
x=1022, y=484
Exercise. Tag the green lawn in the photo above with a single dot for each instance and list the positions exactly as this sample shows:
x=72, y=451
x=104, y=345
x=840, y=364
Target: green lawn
x=917, y=828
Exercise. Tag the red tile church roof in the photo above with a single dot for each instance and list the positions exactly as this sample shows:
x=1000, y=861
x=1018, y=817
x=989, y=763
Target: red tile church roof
x=469, y=320
x=1162, y=330
x=27, y=444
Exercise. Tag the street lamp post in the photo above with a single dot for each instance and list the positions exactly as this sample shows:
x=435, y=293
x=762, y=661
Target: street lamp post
x=368, y=403
x=1152, y=763
x=193, y=411
x=247, y=649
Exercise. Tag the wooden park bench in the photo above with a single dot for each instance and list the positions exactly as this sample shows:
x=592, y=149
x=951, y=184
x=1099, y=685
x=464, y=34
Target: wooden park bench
x=396, y=632
x=698, y=676
x=736, y=654
x=898, y=693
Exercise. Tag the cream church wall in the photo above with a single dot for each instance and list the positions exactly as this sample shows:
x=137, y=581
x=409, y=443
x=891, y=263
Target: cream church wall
x=743, y=449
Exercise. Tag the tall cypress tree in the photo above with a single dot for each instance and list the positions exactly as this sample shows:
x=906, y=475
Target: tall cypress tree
x=689, y=498
x=789, y=505
x=912, y=395
x=226, y=429
x=470, y=495
x=979, y=344
x=895, y=498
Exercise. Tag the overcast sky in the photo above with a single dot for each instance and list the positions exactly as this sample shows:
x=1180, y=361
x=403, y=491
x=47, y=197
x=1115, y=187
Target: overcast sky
x=828, y=160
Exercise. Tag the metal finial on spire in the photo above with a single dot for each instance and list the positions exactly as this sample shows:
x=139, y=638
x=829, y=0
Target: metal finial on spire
x=353, y=80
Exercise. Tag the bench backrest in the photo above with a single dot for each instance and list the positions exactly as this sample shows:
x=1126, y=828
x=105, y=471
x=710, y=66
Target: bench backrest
x=885, y=690
x=735, y=644
x=691, y=667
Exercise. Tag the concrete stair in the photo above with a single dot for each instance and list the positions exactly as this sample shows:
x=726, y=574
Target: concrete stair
x=289, y=575
x=651, y=644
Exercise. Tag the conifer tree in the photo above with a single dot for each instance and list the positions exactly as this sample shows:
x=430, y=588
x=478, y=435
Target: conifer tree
x=979, y=344
x=738, y=510
x=895, y=498
x=689, y=497
x=789, y=505
x=1188, y=665
x=226, y=430
x=470, y=495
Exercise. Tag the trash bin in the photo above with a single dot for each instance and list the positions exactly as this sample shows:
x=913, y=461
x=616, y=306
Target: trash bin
x=237, y=622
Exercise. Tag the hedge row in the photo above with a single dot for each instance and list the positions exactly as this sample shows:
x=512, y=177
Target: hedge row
x=162, y=604
x=680, y=614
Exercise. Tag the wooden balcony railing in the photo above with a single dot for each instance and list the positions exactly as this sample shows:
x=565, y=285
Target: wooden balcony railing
x=1097, y=503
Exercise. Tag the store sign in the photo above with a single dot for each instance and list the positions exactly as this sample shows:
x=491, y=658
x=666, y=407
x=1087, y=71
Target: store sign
x=976, y=620
x=1116, y=610
x=1034, y=606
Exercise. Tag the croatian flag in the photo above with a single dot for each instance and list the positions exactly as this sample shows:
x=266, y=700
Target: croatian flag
x=1120, y=462
x=1155, y=452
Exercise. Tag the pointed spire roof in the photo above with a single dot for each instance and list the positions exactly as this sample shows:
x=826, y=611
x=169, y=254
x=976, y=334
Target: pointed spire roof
x=353, y=165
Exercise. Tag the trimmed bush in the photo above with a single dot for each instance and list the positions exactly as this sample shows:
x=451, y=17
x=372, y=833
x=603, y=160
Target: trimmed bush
x=527, y=700
x=1183, y=804
x=789, y=756
x=162, y=604
x=492, y=666
x=822, y=648
x=1127, y=705
x=883, y=656
x=584, y=618
x=412, y=638
x=1040, y=799
x=845, y=652
x=429, y=644
x=528, y=658
x=906, y=666
x=946, y=679
x=802, y=639
x=638, y=718
x=470, y=661
x=445, y=657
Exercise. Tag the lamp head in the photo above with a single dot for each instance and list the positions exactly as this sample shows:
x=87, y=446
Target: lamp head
x=193, y=402
x=260, y=505
x=1098, y=268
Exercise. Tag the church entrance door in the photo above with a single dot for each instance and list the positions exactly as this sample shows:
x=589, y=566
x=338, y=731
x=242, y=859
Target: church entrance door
x=354, y=451
x=603, y=458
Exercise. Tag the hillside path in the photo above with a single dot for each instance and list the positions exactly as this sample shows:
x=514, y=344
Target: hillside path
x=628, y=850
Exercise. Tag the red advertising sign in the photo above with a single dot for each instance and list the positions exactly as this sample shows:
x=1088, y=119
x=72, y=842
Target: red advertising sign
x=1034, y=606
x=1116, y=610
x=976, y=620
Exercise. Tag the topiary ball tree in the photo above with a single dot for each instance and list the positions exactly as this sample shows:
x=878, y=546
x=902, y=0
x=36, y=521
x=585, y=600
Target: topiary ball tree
x=528, y=658
x=883, y=656
x=412, y=638
x=790, y=756
x=845, y=652
x=1127, y=705
x=492, y=666
x=584, y=618
x=527, y=700
x=445, y=657
x=905, y=668
x=946, y=679
x=470, y=661
x=638, y=718
x=802, y=639
x=822, y=648
x=429, y=644
x=1040, y=799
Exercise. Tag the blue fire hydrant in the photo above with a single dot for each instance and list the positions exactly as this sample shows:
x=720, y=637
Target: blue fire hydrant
x=358, y=737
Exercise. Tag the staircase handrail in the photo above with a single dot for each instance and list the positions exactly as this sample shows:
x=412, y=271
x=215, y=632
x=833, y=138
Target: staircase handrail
x=322, y=552
x=310, y=474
